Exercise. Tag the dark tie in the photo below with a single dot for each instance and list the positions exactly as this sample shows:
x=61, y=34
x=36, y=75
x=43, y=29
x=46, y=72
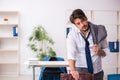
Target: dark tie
x=88, y=56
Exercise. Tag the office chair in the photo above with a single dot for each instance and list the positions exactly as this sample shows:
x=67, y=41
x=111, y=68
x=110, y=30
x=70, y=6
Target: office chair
x=52, y=73
x=113, y=77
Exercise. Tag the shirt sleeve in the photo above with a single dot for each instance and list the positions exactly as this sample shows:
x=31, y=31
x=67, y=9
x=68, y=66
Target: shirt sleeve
x=71, y=46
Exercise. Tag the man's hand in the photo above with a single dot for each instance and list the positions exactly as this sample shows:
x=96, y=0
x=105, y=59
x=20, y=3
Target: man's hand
x=97, y=51
x=75, y=74
x=96, y=48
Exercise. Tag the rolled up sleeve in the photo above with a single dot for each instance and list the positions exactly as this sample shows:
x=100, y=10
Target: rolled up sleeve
x=71, y=46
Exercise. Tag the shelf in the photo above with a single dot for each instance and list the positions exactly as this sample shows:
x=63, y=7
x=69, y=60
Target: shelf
x=8, y=62
x=8, y=12
x=12, y=17
x=6, y=50
x=9, y=57
x=7, y=24
x=8, y=31
x=9, y=43
x=9, y=75
x=9, y=69
x=9, y=37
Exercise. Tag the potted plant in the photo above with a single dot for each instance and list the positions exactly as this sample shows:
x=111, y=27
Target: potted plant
x=41, y=43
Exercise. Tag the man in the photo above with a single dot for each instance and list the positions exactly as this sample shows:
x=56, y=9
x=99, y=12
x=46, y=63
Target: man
x=86, y=38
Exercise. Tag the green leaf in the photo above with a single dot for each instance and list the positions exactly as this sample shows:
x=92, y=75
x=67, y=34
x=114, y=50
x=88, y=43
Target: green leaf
x=30, y=38
x=40, y=41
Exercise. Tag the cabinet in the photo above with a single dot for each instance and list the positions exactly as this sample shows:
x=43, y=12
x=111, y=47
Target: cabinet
x=9, y=43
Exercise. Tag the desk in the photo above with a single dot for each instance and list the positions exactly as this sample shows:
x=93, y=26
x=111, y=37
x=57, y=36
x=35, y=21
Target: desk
x=35, y=63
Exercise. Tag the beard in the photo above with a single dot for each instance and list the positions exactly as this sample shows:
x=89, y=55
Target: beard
x=85, y=28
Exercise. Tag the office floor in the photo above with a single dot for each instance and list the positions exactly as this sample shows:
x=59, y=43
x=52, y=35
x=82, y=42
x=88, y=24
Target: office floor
x=21, y=77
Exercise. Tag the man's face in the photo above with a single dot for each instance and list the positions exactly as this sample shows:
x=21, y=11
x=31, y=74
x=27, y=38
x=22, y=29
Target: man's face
x=82, y=24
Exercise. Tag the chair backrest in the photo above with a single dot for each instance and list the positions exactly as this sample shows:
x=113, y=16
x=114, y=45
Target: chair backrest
x=113, y=77
x=52, y=73
x=53, y=69
x=48, y=73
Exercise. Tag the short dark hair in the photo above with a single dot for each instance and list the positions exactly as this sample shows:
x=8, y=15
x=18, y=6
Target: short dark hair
x=77, y=13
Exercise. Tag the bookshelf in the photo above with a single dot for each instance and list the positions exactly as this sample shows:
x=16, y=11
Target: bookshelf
x=9, y=43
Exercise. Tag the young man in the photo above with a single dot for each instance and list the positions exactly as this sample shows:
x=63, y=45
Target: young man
x=86, y=44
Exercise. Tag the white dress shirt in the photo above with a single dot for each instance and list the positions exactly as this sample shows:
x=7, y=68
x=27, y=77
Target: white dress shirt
x=76, y=50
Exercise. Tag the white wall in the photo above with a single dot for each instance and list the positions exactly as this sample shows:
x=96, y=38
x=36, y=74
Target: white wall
x=51, y=15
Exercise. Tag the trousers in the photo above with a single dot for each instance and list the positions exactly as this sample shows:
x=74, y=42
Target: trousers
x=97, y=76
